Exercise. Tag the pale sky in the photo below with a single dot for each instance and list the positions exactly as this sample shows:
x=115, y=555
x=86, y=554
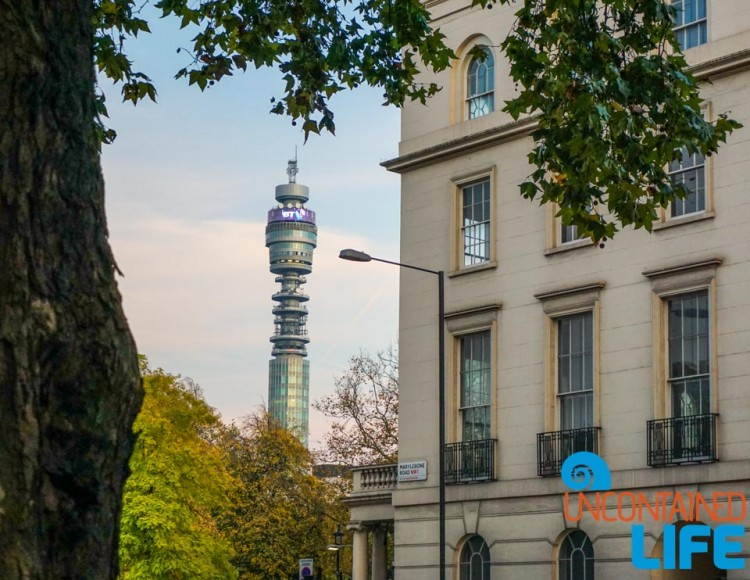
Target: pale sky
x=188, y=183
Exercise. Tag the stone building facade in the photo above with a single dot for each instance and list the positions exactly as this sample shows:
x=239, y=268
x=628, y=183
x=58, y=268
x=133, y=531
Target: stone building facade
x=639, y=352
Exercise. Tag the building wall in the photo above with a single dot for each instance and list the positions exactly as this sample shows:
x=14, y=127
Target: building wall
x=519, y=514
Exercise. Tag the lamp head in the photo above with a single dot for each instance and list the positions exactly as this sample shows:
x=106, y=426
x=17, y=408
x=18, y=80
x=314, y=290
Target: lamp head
x=354, y=255
x=338, y=536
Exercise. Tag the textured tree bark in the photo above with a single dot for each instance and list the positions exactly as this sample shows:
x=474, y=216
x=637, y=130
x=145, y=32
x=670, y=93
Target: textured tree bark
x=69, y=381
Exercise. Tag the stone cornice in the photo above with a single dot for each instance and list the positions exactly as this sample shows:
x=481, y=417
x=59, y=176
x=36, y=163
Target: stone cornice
x=596, y=286
x=723, y=65
x=684, y=267
x=473, y=310
x=362, y=499
x=461, y=146
x=707, y=70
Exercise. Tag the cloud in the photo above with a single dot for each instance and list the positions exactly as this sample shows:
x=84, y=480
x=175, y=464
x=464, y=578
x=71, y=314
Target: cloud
x=189, y=182
x=197, y=294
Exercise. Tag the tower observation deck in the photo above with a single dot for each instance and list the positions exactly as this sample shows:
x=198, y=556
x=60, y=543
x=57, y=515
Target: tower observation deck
x=291, y=237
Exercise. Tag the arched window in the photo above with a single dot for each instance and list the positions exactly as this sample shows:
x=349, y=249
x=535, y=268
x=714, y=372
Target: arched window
x=475, y=559
x=576, y=557
x=480, y=91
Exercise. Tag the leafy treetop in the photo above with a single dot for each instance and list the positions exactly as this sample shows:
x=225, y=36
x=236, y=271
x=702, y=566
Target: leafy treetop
x=615, y=103
x=279, y=511
x=364, y=409
x=179, y=479
x=321, y=46
x=606, y=80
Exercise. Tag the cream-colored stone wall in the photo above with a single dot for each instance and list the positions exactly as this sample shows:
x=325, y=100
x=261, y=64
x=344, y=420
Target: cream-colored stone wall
x=519, y=514
x=524, y=533
x=438, y=121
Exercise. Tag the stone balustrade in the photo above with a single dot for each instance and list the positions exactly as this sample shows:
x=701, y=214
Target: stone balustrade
x=375, y=478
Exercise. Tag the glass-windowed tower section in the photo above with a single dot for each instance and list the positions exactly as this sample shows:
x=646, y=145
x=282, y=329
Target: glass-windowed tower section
x=291, y=237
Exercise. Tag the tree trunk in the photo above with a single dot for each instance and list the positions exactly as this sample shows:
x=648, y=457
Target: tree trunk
x=69, y=380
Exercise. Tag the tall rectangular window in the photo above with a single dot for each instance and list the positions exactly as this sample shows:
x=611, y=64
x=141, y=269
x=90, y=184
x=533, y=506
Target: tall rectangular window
x=689, y=171
x=575, y=370
x=475, y=222
x=476, y=386
x=689, y=368
x=691, y=23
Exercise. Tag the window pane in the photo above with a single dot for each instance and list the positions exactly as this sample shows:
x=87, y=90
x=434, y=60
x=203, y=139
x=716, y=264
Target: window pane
x=675, y=358
x=563, y=375
x=703, y=361
x=476, y=384
x=577, y=565
x=690, y=12
x=575, y=370
x=476, y=222
x=576, y=373
x=482, y=79
x=576, y=560
x=688, y=335
x=679, y=17
x=475, y=559
x=689, y=172
x=571, y=416
x=576, y=334
x=568, y=234
x=690, y=22
x=588, y=371
x=691, y=398
x=480, y=86
x=689, y=354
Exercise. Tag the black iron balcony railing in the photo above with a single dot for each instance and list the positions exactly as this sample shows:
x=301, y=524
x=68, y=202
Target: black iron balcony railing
x=469, y=461
x=681, y=440
x=556, y=446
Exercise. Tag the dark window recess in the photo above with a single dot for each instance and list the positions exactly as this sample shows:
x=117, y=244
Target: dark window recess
x=469, y=461
x=576, y=557
x=553, y=448
x=679, y=440
x=475, y=559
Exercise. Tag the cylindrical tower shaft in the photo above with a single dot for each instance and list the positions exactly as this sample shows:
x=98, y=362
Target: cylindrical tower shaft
x=291, y=237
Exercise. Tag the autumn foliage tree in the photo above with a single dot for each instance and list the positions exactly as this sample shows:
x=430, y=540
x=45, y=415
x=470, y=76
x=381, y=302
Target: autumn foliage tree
x=279, y=511
x=179, y=481
x=212, y=501
x=364, y=409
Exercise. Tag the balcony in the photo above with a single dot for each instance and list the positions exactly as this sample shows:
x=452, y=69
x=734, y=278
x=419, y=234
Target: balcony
x=292, y=334
x=285, y=308
x=375, y=478
x=469, y=461
x=372, y=491
x=553, y=448
x=290, y=295
x=681, y=440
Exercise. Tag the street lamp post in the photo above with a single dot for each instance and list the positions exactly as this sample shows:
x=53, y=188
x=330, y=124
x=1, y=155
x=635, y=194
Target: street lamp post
x=338, y=536
x=357, y=256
